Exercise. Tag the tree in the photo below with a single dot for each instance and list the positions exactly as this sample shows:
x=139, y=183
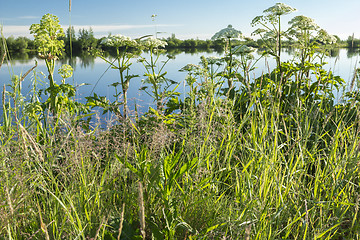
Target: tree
x=71, y=43
x=86, y=39
x=353, y=42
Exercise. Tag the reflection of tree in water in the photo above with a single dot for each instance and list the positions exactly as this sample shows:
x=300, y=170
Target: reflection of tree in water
x=83, y=60
x=352, y=52
x=69, y=60
x=334, y=52
x=23, y=57
x=289, y=50
x=87, y=60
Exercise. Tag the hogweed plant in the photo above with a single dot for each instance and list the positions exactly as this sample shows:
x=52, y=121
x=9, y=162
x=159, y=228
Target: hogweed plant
x=308, y=37
x=247, y=62
x=154, y=72
x=227, y=35
x=49, y=47
x=122, y=63
x=271, y=32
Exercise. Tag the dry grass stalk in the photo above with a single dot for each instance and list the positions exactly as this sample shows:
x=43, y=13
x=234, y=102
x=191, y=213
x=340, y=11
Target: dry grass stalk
x=24, y=146
x=121, y=221
x=98, y=230
x=141, y=210
x=3, y=58
x=27, y=73
x=35, y=149
x=43, y=226
x=247, y=232
x=3, y=97
x=9, y=201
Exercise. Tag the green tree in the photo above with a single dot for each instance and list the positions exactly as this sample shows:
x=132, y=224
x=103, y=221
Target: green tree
x=10, y=42
x=20, y=44
x=353, y=42
x=71, y=43
x=86, y=39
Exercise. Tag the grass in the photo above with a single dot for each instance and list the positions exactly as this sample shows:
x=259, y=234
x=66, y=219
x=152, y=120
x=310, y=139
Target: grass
x=218, y=179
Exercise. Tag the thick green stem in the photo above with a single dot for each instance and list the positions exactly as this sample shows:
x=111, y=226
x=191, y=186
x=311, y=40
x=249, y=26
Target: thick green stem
x=124, y=87
x=50, y=64
x=155, y=81
x=230, y=80
x=278, y=60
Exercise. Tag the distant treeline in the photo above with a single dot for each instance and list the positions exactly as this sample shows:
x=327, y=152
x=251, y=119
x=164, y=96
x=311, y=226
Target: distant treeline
x=85, y=41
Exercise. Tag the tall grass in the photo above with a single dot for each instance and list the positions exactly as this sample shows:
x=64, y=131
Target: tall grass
x=274, y=159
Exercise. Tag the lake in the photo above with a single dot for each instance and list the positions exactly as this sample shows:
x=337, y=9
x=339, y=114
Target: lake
x=95, y=73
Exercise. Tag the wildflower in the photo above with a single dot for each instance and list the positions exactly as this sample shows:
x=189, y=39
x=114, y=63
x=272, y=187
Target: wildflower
x=279, y=9
x=118, y=41
x=270, y=34
x=190, y=67
x=325, y=38
x=303, y=23
x=258, y=31
x=227, y=33
x=152, y=43
x=65, y=71
x=243, y=49
x=213, y=60
x=47, y=37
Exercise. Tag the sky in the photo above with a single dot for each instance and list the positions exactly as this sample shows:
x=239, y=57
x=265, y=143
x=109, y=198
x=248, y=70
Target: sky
x=186, y=18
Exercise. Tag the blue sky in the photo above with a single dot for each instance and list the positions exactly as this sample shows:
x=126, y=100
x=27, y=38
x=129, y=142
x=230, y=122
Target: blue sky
x=185, y=18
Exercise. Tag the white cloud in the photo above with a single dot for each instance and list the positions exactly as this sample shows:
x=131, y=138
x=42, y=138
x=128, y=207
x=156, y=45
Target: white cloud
x=16, y=31
x=29, y=17
x=99, y=30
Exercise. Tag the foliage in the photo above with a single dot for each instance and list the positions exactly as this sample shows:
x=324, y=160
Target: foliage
x=271, y=32
x=154, y=72
x=121, y=44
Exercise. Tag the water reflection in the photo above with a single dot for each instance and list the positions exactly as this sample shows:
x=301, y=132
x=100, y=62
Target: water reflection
x=87, y=60
x=353, y=52
x=94, y=71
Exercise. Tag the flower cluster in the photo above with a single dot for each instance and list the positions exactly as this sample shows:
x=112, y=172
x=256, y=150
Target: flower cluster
x=47, y=37
x=118, y=41
x=272, y=14
x=190, y=67
x=244, y=51
x=65, y=71
x=325, y=38
x=279, y=9
x=213, y=60
x=303, y=23
x=152, y=43
x=227, y=33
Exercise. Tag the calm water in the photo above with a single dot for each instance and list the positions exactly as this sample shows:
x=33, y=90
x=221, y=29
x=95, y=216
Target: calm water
x=95, y=73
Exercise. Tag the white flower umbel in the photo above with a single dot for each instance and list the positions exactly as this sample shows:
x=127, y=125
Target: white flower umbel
x=152, y=43
x=190, y=67
x=118, y=41
x=279, y=9
x=227, y=33
x=65, y=71
x=213, y=60
x=325, y=38
x=243, y=50
x=303, y=23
